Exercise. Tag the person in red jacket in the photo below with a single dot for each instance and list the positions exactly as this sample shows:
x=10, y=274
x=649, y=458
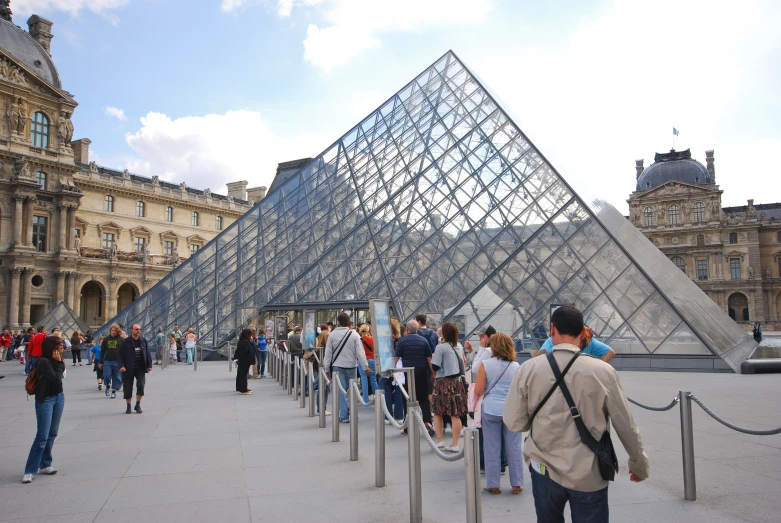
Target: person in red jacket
x=34, y=350
x=5, y=345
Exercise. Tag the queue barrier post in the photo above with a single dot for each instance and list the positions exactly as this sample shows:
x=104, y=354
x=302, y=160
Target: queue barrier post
x=294, y=381
x=687, y=447
x=321, y=396
x=379, y=439
x=413, y=448
x=302, y=383
x=353, y=396
x=474, y=509
x=335, y=404
x=291, y=377
x=311, y=380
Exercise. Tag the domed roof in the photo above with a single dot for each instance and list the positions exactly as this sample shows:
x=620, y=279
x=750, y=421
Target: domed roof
x=24, y=49
x=675, y=165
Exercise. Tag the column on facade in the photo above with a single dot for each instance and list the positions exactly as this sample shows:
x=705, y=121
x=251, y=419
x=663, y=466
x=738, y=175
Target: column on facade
x=27, y=287
x=72, y=295
x=18, y=219
x=13, y=296
x=68, y=288
x=60, y=296
x=63, y=227
x=71, y=226
x=111, y=301
x=29, y=202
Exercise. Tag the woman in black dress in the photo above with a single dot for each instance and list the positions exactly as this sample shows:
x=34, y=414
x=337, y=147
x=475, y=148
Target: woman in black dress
x=245, y=357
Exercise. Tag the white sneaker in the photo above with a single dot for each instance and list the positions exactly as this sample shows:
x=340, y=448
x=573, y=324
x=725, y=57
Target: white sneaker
x=451, y=449
x=48, y=471
x=327, y=412
x=27, y=478
x=441, y=445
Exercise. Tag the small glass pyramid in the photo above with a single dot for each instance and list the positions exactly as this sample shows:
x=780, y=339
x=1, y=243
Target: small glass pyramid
x=63, y=317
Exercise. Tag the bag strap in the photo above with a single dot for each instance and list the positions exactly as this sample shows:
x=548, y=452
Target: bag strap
x=585, y=436
x=339, y=350
x=552, y=389
x=459, y=359
x=498, y=380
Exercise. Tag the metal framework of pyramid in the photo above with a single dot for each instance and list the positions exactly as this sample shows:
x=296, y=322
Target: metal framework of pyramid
x=438, y=202
x=63, y=317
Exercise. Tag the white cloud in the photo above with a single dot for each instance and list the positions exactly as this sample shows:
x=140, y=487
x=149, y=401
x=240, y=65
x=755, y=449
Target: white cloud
x=231, y=5
x=354, y=26
x=73, y=7
x=212, y=150
x=115, y=112
x=611, y=93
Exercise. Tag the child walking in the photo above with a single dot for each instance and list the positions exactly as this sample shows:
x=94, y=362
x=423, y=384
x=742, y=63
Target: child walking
x=172, y=348
x=94, y=356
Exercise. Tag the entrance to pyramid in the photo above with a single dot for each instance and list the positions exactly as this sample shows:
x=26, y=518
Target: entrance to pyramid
x=439, y=203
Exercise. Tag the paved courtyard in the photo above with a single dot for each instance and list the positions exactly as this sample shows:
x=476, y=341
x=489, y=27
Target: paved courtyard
x=200, y=452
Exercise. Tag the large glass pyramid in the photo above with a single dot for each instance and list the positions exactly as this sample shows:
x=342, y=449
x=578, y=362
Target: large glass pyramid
x=438, y=202
x=63, y=317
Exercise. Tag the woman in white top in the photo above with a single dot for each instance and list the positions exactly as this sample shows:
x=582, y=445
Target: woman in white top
x=449, y=394
x=493, y=384
x=189, y=344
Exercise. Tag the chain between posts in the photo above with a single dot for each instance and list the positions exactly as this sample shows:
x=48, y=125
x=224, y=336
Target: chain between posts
x=770, y=432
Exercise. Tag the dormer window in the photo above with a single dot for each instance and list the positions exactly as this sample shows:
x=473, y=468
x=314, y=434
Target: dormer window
x=39, y=130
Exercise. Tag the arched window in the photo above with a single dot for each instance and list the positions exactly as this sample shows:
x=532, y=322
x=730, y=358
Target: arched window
x=648, y=216
x=699, y=212
x=140, y=209
x=40, y=177
x=108, y=203
x=733, y=237
x=678, y=261
x=39, y=131
x=673, y=215
x=195, y=218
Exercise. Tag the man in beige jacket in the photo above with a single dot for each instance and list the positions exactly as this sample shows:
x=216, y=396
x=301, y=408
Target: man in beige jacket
x=563, y=468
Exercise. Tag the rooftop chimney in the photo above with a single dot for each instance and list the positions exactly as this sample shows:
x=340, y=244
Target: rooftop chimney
x=256, y=193
x=639, y=168
x=41, y=31
x=710, y=166
x=81, y=150
x=238, y=190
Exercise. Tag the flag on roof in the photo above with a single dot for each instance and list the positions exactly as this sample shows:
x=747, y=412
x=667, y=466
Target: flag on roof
x=675, y=131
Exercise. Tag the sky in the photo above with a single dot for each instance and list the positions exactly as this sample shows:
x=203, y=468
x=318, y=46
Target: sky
x=214, y=91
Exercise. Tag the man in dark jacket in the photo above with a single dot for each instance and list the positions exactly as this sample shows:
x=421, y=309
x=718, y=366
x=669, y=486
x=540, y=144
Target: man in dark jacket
x=135, y=361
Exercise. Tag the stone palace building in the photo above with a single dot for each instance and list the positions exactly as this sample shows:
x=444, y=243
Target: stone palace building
x=71, y=230
x=732, y=253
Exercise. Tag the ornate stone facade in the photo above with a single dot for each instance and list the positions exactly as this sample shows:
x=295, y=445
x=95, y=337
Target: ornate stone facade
x=732, y=253
x=70, y=230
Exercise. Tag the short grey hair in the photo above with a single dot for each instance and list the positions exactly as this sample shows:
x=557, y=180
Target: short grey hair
x=412, y=326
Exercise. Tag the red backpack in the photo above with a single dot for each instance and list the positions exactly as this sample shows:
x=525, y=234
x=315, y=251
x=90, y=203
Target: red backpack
x=31, y=383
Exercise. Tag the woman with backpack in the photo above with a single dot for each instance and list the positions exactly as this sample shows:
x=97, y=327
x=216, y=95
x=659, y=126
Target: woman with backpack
x=76, y=341
x=45, y=381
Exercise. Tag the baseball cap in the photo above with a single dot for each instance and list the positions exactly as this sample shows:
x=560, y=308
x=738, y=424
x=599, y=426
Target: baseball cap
x=488, y=331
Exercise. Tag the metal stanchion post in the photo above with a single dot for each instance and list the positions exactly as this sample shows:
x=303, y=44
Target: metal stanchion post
x=474, y=509
x=291, y=376
x=311, y=380
x=321, y=396
x=687, y=447
x=195, y=358
x=413, y=442
x=294, y=381
x=353, y=421
x=302, y=383
x=335, y=400
x=379, y=439
x=230, y=356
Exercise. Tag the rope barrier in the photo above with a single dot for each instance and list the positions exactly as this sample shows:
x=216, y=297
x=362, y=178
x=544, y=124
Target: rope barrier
x=401, y=387
x=392, y=420
x=451, y=456
x=770, y=432
x=339, y=384
x=675, y=401
x=360, y=398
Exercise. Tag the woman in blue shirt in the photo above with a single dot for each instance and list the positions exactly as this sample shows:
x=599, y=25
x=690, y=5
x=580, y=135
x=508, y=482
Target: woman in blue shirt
x=588, y=345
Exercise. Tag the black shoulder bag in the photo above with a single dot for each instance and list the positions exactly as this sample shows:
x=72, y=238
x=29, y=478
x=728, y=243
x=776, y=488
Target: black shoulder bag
x=606, y=454
x=338, y=351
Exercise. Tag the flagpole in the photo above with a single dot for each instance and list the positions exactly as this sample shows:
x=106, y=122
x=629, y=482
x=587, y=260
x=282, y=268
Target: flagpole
x=673, y=136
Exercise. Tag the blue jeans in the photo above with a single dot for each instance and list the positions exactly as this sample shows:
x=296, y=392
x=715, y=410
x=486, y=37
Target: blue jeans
x=367, y=381
x=29, y=361
x=393, y=398
x=48, y=415
x=262, y=355
x=345, y=375
x=189, y=356
x=317, y=393
x=111, y=377
x=497, y=435
x=550, y=499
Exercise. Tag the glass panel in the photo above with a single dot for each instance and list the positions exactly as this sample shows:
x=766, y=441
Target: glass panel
x=625, y=341
x=654, y=321
x=602, y=317
x=683, y=341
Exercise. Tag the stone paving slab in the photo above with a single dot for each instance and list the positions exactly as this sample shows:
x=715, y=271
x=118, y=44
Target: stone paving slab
x=201, y=452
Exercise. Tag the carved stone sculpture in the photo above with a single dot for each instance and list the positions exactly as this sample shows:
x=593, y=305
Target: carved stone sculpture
x=20, y=125
x=22, y=169
x=93, y=167
x=715, y=207
x=112, y=252
x=12, y=73
x=750, y=271
x=13, y=115
x=126, y=174
x=68, y=128
x=146, y=255
x=62, y=130
x=183, y=186
x=5, y=10
x=77, y=243
x=156, y=181
x=207, y=192
x=660, y=212
x=768, y=273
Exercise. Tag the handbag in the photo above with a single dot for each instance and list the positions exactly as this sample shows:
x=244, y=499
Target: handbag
x=606, y=454
x=462, y=379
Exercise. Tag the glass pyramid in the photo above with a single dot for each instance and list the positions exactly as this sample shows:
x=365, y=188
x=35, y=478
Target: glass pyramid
x=63, y=317
x=438, y=202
